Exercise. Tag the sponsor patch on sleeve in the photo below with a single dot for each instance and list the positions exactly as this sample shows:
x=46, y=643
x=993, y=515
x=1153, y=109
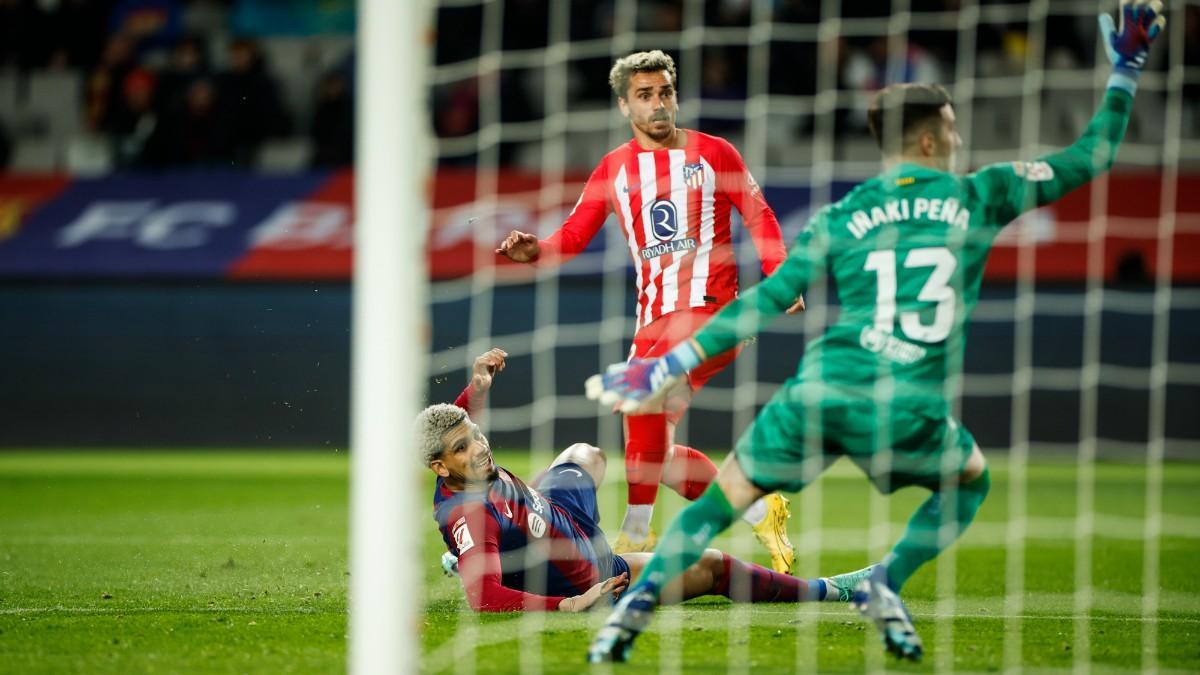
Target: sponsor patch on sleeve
x=1035, y=172
x=754, y=189
x=462, y=536
x=537, y=525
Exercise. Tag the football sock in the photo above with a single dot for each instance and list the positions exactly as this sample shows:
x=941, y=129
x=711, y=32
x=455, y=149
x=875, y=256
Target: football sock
x=920, y=543
x=688, y=472
x=687, y=536
x=755, y=514
x=636, y=524
x=760, y=584
x=645, y=451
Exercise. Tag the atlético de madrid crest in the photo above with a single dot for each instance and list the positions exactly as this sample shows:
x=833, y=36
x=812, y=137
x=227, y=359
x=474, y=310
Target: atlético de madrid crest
x=693, y=175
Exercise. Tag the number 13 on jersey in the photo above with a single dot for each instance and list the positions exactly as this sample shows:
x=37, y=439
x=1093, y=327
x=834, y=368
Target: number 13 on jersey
x=936, y=289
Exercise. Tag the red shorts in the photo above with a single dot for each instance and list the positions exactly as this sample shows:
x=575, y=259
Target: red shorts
x=667, y=331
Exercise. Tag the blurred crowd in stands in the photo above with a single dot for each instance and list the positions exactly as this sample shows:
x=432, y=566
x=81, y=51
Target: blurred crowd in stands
x=158, y=83
x=111, y=84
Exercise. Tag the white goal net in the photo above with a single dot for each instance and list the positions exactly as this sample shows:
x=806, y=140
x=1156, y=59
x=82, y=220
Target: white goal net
x=1082, y=371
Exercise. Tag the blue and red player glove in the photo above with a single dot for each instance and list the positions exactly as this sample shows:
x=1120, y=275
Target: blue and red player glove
x=1128, y=45
x=639, y=383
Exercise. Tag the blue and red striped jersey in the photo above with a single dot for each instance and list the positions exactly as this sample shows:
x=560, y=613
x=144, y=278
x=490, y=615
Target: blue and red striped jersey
x=516, y=549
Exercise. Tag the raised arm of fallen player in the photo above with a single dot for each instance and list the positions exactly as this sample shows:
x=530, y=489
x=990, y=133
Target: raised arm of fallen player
x=484, y=368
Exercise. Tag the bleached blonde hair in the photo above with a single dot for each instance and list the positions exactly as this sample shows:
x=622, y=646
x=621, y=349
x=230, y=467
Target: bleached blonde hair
x=638, y=62
x=432, y=424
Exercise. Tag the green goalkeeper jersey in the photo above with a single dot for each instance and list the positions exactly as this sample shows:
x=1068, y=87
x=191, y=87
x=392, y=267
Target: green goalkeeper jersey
x=906, y=250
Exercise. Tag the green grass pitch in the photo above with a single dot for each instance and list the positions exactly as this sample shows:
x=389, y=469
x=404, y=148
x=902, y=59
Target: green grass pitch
x=198, y=562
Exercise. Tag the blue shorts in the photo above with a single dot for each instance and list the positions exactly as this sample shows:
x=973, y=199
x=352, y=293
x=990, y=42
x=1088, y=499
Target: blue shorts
x=571, y=488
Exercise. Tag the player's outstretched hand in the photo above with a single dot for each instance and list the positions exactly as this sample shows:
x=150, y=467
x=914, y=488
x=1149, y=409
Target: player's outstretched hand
x=611, y=586
x=1128, y=43
x=520, y=247
x=635, y=386
x=485, y=368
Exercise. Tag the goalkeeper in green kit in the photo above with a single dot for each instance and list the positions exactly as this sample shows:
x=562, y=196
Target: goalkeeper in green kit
x=907, y=250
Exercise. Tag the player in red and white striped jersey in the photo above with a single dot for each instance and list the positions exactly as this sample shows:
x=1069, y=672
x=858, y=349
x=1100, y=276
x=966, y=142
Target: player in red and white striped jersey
x=672, y=191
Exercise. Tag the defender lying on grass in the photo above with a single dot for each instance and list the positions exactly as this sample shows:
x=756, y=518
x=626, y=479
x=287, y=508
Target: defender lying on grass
x=539, y=546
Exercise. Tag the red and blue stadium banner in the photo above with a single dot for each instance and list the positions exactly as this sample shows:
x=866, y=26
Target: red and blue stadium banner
x=246, y=227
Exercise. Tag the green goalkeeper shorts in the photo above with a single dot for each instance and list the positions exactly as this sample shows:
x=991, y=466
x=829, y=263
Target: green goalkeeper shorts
x=791, y=442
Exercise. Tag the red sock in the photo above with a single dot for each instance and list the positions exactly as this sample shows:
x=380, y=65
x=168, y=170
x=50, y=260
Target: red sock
x=645, y=450
x=689, y=472
x=762, y=584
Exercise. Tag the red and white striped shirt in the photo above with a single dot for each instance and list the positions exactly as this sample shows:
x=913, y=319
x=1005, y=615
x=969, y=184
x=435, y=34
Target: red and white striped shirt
x=674, y=206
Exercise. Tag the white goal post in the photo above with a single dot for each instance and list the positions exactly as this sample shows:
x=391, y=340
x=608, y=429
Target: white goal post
x=389, y=347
